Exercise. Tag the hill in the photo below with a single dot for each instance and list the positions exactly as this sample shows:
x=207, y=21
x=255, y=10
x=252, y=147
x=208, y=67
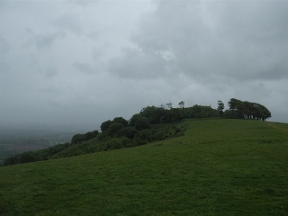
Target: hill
x=150, y=124
x=219, y=167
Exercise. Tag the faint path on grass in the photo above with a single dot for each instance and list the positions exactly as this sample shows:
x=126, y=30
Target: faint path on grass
x=276, y=126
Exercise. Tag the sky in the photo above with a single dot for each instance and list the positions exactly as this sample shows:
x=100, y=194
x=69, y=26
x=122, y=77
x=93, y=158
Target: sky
x=77, y=63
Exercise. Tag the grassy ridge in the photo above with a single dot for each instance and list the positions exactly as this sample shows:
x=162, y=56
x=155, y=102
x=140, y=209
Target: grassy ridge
x=220, y=167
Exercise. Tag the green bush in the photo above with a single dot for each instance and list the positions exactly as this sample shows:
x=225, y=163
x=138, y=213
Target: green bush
x=114, y=128
x=142, y=123
x=128, y=132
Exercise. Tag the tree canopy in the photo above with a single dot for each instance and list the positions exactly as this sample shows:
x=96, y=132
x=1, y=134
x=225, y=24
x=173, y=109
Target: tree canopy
x=247, y=110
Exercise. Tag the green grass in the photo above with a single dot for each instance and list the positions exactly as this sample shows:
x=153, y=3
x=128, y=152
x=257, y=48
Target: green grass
x=220, y=167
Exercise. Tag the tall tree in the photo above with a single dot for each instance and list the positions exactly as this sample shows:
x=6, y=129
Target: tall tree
x=169, y=105
x=248, y=110
x=105, y=125
x=181, y=104
x=121, y=120
x=220, y=107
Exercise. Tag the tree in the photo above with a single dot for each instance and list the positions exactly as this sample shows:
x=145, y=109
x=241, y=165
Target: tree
x=121, y=120
x=220, y=107
x=78, y=138
x=142, y=123
x=128, y=132
x=105, y=125
x=133, y=119
x=91, y=134
x=171, y=115
x=153, y=114
x=248, y=110
x=181, y=104
x=114, y=128
x=169, y=105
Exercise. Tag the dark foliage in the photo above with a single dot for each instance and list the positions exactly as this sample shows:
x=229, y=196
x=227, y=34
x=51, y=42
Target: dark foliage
x=199, y=111
x=220, y=107
x=247, y=110
x=121, y=120
x=33, y=156
x=105, y=125
x=142, y=123
x=78, y=138
x=128, y=132
x=114, y=128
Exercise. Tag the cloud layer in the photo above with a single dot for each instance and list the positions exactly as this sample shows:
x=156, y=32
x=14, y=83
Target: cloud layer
x=80, y=63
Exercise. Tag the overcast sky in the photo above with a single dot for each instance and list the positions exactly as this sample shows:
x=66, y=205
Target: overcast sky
x=79, y=63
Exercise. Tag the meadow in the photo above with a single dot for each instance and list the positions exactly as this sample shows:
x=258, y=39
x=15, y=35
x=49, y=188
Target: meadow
x=219, y=167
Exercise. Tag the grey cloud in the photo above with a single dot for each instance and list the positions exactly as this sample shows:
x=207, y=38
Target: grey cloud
x=83, y=3
x=4, y=46
x=41, y=40
x=226, y=39
x=69, y=22
x=137, y=64
x=4, y=50
x=85, y=67
x=51, y=72
x=97, y=53
x=197, y=51
x=94, y=35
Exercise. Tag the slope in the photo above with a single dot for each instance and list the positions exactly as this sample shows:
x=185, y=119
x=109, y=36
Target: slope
x=220, y=167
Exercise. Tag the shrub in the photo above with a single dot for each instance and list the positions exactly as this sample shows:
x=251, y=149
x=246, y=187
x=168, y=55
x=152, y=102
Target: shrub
x=142, y=123
x=128, y=132
x=114, y=128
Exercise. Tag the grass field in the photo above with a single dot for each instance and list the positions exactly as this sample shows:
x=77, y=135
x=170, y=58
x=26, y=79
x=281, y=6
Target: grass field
x=220, y=167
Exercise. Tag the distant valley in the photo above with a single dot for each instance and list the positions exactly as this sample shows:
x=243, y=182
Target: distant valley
x=17, y=140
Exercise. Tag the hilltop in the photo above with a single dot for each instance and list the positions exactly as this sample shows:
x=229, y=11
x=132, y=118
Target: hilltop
x=150, y=124
x=217, y=167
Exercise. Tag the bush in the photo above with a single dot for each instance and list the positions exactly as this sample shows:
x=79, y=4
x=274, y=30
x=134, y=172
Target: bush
x=128, y=132
x=142, y=123
x=116, y=143
x=114, y=128
x=105, y=125
x=145, y=135
x=78, y=138
x=91, y=134
x=121, y=120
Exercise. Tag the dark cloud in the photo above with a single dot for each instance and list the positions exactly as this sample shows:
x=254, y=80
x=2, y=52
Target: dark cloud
x=41, y=40
x=69, y=22
x=4, y=51
x=85, y=68
x=51, y=72
x=241, y=40
x=137, y=64
x=83, y=3
x=83, y=62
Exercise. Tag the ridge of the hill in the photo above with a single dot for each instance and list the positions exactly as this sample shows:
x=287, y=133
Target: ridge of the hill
x=150, y=124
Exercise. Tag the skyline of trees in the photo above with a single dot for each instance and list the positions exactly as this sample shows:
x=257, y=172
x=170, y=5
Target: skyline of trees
x=247, y=110
x=150, y=124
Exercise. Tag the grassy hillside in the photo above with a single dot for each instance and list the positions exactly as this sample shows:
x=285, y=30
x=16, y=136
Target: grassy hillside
x=220, y=167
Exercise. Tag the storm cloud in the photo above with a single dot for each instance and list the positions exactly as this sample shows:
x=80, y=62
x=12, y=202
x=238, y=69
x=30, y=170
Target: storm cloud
x=80, y=63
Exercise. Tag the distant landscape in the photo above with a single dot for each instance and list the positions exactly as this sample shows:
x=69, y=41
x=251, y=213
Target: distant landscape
x=15, y=140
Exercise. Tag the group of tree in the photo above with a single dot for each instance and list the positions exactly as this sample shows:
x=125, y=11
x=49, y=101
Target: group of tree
x=246, y=110
x=152, y=123
x=32, y=156
x=143, y=127
x=78, y=138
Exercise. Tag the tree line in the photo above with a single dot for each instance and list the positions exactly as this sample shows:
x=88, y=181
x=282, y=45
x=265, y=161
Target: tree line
x=152, y=123
x=245, y=110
